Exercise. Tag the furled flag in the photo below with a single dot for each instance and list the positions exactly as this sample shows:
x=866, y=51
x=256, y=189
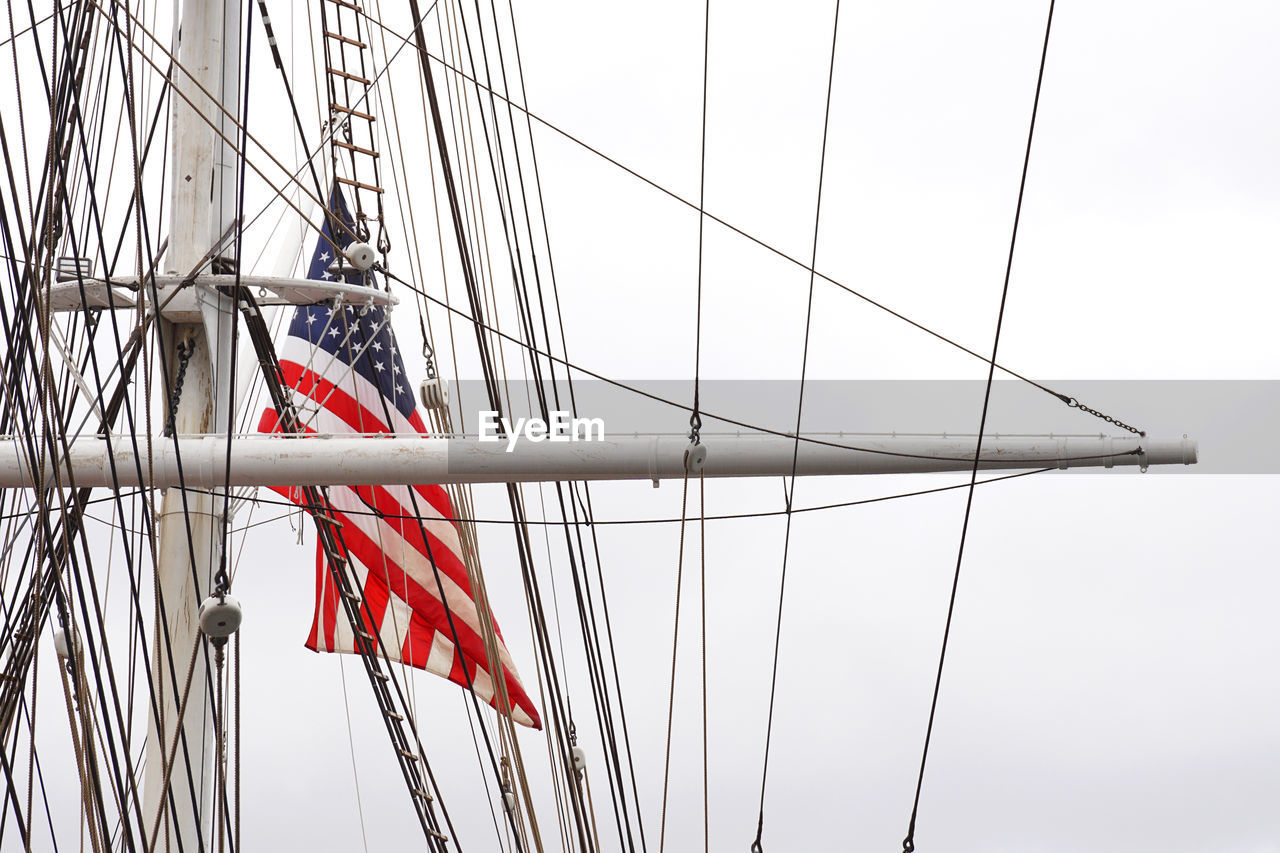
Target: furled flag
x=347, y=376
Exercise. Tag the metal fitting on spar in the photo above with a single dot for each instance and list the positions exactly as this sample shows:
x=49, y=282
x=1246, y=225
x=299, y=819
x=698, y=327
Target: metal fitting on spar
x=1176, y=452
x=1190, y=451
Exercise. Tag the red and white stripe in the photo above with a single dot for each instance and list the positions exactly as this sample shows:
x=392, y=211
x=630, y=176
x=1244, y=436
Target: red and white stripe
x=400, y=560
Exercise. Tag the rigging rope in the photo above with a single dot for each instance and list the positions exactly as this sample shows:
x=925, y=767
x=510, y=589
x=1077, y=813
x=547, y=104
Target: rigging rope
x=795, y=454
x=908, y=843
x=808, y=439
x=671, y=696
x=759, y=241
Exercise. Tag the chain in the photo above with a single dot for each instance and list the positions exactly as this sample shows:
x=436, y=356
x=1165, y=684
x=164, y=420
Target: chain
x=428, y=352
x=185, y=351
x=695, y=425
x=1076, y=404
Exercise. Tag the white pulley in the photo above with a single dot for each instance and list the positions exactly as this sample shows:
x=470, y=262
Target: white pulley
x=695, y=458
x=361, y=255
x=579, y=759
x=60, y=642
x=435, y=393
x=509, y=801
x=220, y=616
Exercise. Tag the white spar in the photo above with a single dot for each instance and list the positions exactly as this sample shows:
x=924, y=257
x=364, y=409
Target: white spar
x=316, y=461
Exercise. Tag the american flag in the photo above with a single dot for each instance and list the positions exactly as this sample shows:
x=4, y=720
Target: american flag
x=347, y=376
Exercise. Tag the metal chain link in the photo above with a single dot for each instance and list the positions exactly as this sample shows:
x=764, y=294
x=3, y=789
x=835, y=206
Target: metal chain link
x=1076, y=404
x=428, y=351
x=185, y=350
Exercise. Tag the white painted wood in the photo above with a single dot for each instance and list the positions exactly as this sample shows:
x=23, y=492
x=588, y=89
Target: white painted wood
x=180, y=303
x=314, y=461
x=203, y=165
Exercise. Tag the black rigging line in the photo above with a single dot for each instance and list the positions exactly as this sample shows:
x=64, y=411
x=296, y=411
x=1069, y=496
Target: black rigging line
x=472, y=285
x=498, y=670
x=559, y=722
x=293, y=105
x=369, y=647
x=908, y=843
x=575, y=548
x=736, y=516
x=83, y=493
x=62, y=200
x=480, y=324
x=144, y=238
x=169, y=393
x=57, y=560
x=1068, y=400
x=221, y=580
x=136, y=341
x=695, y=438
x=162, y=111
x=695, y=418
x=795, y=453
x=27, y=29
x=68, y=80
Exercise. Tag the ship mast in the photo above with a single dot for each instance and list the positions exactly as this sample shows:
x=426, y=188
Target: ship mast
x=204, y=167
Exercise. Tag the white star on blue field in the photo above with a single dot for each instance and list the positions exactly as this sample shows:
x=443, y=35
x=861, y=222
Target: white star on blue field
x=358, y=335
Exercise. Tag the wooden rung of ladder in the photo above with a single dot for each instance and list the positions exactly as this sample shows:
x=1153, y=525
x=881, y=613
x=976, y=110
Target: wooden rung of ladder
x=355, y=148
x=345, y=4
x=393, y=715
x=381, y=676
x=356, y=77
x=365, y=634
x=329, y=519
x=340, y=108
x=358, y=184
x=407, y=754
x=340, y=37
x=422, y=795
x=352, y=597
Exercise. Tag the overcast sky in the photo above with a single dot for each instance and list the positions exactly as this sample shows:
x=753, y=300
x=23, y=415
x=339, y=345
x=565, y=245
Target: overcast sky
x=1111, y=683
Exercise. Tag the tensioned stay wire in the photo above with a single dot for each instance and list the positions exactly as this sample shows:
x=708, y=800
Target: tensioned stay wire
x=795, y=456
x=908, y=843
x=1070, y=401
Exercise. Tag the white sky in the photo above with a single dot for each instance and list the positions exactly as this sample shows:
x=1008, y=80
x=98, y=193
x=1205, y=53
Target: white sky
x=1111, y=681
